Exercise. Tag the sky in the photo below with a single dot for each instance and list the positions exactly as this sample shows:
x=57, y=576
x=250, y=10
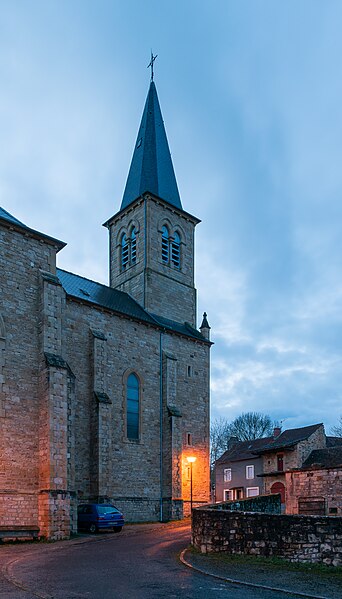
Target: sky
x=251, y=95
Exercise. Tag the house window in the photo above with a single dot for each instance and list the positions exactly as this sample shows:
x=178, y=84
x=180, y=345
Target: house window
x=132, y=407
x=280, y=462
x=175, y=250
x=227, y=475
x=124, y=251
x=252, y=491
x=227, y=495
x=249, y=472
x=133, y=246
x=189, y=438
x=165, y=245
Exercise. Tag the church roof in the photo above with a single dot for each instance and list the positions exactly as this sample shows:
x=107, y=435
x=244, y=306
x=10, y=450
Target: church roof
x=151, y=167
x=119, y=302
x=9, y=218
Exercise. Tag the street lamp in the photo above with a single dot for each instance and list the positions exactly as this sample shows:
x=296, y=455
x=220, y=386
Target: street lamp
x=191, y=460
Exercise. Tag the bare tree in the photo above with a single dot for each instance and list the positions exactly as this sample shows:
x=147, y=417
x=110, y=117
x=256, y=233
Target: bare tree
x=219, y=437
x=251, y=425
x=337, y=429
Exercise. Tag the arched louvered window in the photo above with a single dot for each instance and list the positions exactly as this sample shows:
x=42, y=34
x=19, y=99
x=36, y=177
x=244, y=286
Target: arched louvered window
x=133, y=407
x=124, y=251
x=165, y=245
x=175, y=250
x=133, y=246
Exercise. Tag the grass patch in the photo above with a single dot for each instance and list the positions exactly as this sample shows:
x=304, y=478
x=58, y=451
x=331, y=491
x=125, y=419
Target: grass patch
x=269, y=564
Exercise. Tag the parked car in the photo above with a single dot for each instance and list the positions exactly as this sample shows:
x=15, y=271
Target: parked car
x=97, y=516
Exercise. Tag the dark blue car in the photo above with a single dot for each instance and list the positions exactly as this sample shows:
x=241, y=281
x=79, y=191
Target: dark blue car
x=97, y=516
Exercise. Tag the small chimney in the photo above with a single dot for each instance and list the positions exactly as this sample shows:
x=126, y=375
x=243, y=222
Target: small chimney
x=276, y=431
x=232, y=441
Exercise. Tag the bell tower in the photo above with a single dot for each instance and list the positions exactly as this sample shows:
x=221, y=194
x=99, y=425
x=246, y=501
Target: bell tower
x=152, y=237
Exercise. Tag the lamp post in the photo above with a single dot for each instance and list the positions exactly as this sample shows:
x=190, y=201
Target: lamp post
x=191, y=460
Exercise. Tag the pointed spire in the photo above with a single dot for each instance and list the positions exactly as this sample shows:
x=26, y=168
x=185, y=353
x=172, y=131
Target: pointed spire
x=205, y=328
x=151, y=168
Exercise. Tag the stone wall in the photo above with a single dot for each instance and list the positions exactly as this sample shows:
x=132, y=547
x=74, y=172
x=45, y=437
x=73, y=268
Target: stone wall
x=21, y=258
x=317, y=485
x=307, y=539
x=150, y=281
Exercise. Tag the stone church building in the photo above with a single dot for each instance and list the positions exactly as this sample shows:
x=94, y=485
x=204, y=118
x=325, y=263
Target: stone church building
x=104, y=390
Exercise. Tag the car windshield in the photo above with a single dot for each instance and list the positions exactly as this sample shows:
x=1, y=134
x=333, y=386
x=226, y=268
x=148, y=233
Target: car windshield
x=107, y=509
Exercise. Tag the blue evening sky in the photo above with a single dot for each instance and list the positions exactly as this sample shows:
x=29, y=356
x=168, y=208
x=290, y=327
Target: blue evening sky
x=251, y=94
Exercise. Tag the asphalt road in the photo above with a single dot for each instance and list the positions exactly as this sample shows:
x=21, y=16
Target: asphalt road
x=138, y=563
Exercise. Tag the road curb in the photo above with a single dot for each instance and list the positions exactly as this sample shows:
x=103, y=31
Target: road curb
x=244, y=583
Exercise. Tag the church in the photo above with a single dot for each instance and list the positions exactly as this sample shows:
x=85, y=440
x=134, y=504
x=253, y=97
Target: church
x=104, y=390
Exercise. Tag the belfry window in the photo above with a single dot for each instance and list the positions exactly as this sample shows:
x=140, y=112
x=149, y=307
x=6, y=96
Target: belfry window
x=133, y=246
x=175, y=250
x=165, y=245
x=132, y=407
x=124, y=251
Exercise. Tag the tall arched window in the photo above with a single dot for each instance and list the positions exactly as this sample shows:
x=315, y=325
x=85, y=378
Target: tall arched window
x=165, y=245
x=175, y=250
x=133, y=246
x=132, y=407
x=124, y=251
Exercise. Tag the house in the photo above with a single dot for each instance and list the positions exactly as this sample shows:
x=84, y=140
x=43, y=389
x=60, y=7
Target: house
x=287, y=450
x=316, y=487
x=104, y=389
x=238, y=469
x=302, y=464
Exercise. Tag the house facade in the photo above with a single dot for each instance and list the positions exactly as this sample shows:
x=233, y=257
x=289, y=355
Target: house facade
x=237, y=471
x=287, y=450
x=316, y=488
x=104, y=390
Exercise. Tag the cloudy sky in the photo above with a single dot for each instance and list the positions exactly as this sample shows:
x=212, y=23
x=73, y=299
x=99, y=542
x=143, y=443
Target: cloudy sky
x=251, y=94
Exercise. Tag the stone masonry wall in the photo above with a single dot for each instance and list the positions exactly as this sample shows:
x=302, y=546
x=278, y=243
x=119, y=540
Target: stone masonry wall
x=150, y=281
x=134, y=467
x=306, y=539
x=325, y=484
x=22, y=255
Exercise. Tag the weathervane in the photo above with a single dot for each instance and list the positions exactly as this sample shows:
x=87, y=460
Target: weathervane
x=151, y=64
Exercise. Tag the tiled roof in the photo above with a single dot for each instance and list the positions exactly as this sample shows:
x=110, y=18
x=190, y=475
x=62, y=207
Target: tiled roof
x=119, y=302
x=151, y=167
x=289, y=438
x=330, y=457
x=243, y=450
x=9, y=218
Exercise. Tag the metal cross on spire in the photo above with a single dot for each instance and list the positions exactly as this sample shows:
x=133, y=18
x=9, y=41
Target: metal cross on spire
x=151, y=64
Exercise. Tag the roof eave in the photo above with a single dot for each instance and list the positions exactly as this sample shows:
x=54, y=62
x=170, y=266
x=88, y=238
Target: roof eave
x=37, y=234
x=147, y=195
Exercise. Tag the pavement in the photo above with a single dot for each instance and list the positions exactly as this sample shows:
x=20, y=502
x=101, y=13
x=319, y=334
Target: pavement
x=284, y=578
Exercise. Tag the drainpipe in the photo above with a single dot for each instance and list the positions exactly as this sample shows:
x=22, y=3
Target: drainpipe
x=161, y=423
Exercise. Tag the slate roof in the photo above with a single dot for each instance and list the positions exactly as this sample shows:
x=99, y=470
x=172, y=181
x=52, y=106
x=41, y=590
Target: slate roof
x=151, y=167
x=330, y=457
x=333, y=441
x=120, y=303
x=9, y=218
x=289, y=438
x=243, y=450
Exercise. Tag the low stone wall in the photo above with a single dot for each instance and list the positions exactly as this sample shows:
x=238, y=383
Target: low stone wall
x=310, y=539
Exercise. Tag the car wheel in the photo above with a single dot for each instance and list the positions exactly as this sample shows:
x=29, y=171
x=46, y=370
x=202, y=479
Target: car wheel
x=92, y=528
x=117, y=528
